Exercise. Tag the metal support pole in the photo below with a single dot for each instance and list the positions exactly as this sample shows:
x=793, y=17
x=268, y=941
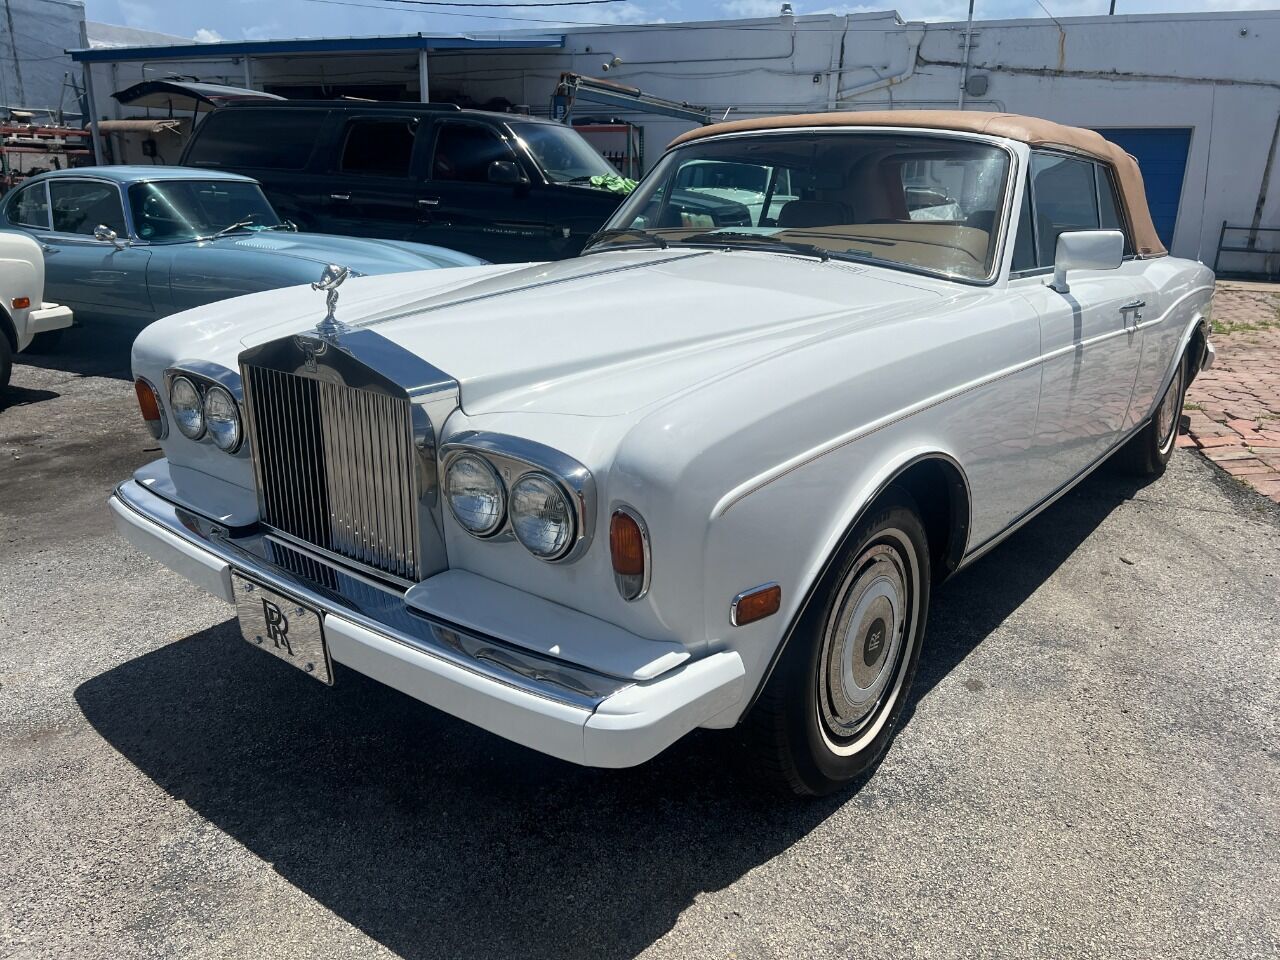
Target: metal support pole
x=91, y=105
x=968, y=42
x=424, y=79
x=248, y=72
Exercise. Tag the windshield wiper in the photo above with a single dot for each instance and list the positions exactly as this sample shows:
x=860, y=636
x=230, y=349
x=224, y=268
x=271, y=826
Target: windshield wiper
x=729, y=238
x=640, y=234
x=238, y=225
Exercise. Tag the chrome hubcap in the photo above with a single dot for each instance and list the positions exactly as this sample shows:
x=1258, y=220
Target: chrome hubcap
x=1167, y=415
x=863, y=642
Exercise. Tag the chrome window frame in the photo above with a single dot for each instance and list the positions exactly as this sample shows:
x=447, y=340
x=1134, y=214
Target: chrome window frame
x=514, y=457
x=64, y=236
x=1099, y=167
x=12, y=201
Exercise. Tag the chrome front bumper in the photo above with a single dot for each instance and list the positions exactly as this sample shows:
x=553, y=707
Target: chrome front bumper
x=559, y=708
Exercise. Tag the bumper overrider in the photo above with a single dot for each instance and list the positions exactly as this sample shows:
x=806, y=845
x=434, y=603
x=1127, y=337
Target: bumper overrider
x=619, y=702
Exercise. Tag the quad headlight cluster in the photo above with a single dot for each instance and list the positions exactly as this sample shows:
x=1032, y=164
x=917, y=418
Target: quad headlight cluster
x=495, y=494
x=203, y=409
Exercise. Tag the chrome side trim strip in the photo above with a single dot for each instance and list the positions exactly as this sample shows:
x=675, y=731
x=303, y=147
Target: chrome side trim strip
x=374, y=605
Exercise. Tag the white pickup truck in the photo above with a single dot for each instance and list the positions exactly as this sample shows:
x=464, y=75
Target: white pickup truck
x=23, y=312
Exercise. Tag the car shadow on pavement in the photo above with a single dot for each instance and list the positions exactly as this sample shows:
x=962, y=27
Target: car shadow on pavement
x=439, y=840
x=88, y=352
x=12, y=396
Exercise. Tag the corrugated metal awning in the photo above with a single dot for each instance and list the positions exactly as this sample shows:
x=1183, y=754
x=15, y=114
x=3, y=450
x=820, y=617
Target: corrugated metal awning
x=237, y=48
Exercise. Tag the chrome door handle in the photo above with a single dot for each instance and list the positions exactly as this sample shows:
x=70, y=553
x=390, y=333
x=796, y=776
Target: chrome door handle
x=339, y=196
x=429, y=202
x=1134, y=307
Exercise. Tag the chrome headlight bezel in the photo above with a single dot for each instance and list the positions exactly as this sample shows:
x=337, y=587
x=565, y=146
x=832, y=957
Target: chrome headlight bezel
x=512, y=458
x=205, y=377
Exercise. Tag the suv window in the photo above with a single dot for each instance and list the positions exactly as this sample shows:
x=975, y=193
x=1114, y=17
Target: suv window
x=381, y=148
x=79, y=206
x=1066, y=199
x=464, y=152
x=276, y=139
x=1109, y=207
x=30, y=207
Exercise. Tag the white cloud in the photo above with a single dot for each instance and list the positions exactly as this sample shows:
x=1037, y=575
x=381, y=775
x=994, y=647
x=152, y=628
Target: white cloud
x=205, y=35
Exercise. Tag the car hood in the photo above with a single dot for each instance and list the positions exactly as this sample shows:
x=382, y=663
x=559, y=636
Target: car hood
x=599, y=335
x=363, y=256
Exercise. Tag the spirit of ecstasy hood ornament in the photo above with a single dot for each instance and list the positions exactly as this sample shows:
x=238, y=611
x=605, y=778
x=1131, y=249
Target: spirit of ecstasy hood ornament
x=332, y=278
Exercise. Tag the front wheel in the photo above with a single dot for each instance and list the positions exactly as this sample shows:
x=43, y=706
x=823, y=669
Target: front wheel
x=832, y=706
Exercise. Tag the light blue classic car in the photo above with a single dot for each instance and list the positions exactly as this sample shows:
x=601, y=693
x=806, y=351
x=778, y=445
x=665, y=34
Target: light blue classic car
x=128, y=245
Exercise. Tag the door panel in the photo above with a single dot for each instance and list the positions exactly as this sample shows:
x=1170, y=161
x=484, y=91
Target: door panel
x=460, y=208
x=98, y=280
x=1090, y=349
x=373, y=191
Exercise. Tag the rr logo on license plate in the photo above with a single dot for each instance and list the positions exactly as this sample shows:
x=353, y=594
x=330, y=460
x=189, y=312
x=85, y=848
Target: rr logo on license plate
x=277, y=625
x=283, y=627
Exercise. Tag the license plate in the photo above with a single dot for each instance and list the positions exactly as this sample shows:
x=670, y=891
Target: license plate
x=283, y=627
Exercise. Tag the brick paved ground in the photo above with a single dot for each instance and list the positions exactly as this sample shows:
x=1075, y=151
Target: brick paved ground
x=1234, y=407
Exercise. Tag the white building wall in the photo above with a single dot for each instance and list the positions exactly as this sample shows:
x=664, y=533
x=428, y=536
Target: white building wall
x=1217, y=74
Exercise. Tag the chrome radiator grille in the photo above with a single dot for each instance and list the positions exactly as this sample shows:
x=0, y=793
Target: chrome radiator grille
x=336, y=468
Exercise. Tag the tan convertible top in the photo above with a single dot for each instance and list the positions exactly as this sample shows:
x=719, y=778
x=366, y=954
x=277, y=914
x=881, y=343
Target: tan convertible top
x=1031, y=130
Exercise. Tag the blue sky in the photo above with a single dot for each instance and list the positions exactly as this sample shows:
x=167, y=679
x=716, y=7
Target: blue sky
x=266, y=19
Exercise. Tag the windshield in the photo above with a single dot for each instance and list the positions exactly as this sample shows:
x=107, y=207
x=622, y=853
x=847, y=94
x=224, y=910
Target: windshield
x=926, y=203
x=174, y=210
x=562, y=153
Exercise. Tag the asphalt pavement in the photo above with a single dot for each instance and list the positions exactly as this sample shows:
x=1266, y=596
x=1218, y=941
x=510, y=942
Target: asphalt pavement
x=1090, y=767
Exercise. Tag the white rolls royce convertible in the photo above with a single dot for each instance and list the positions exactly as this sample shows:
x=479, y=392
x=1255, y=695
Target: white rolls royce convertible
x=704, y=474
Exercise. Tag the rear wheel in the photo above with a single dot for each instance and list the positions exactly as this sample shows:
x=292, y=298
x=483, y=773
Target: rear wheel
x=831, y=708
x=1148, y=453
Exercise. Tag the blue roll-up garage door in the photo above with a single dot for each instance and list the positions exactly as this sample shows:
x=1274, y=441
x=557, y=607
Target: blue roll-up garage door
x=1162, y=156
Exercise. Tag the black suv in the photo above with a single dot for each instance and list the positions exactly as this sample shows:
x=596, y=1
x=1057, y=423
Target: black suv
x=500, y=186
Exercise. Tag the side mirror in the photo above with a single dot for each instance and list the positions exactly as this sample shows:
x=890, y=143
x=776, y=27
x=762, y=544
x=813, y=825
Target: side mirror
x=1086, y=250
x=107, y=235
x=506, y=172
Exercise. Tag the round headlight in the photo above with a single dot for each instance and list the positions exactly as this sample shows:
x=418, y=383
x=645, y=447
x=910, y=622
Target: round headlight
x=222, y=419
x=541, y=516
x=188, y=411
x=475, y=494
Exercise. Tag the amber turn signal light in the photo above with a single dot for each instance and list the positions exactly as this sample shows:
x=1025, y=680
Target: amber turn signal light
x=629, y=551
x=755, y=604
x=21, y=303
x=149, y=404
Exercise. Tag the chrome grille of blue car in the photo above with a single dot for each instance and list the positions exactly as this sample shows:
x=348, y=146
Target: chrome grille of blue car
x=335, y=468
